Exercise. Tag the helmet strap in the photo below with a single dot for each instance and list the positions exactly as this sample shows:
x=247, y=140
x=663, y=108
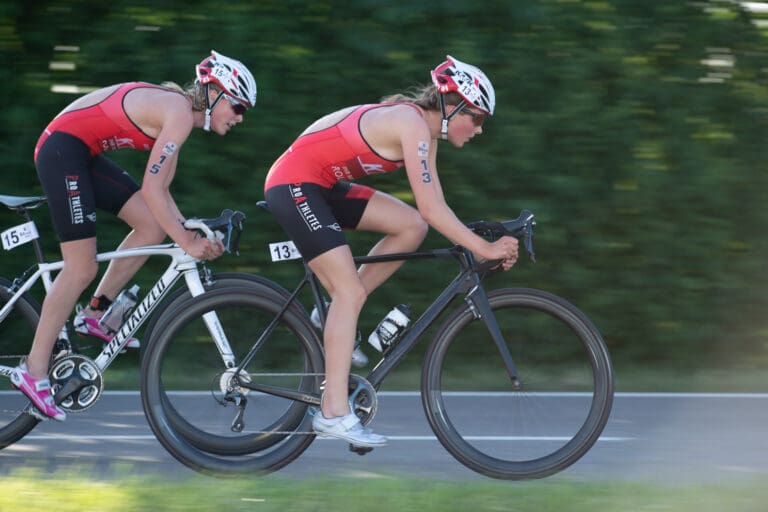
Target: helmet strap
x=209, y=107
x=207, y=125
x=446, y=118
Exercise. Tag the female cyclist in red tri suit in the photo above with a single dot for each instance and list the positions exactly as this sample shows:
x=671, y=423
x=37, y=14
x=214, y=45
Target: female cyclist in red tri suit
x=308, y=190
x=78, y=179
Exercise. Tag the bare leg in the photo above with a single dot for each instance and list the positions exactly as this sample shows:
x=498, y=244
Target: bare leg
x=80, y=268
x=348, y=288
x=146, y=231
x=336, y=271
x=405, y=230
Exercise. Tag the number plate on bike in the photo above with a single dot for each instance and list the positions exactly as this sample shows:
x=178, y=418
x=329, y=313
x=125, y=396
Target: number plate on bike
x=19, y=235
x=282, y=251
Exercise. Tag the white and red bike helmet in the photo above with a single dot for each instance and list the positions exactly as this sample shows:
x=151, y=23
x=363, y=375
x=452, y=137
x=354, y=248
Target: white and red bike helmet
x=468, y=82
x=231, y=76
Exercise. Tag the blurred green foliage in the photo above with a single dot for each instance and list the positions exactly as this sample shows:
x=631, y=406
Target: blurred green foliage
x=633, y=129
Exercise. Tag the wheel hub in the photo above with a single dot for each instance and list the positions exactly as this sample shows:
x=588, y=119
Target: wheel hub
x=228, y=383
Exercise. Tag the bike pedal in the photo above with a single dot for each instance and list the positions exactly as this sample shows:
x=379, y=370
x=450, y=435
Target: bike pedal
x=32, y=411
x=360, y=450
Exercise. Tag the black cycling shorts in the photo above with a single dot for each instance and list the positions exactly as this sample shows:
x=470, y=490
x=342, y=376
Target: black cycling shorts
x=313, y=216
x=77, y=183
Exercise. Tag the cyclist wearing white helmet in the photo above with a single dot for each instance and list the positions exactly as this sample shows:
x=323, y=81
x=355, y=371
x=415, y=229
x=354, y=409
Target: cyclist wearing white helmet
x=309, y=191
x=468, y=82
x=78, y=179
x=231, y=77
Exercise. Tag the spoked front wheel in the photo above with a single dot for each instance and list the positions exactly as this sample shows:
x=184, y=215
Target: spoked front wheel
x=202, y=411
x=537, y=426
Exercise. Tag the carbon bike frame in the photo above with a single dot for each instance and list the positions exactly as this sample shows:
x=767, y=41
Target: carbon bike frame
x=467, y=283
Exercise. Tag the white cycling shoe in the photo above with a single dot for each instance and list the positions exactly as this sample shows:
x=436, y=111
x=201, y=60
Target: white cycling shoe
x=347, y=428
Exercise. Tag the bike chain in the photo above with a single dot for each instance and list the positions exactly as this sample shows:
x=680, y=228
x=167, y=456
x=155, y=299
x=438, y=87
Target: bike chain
x=363, y=399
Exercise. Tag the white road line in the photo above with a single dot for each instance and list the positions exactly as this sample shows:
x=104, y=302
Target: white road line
x=79, y=437
x=76, y=437
x=506, y=438
x=491, y=393
x=577, y=394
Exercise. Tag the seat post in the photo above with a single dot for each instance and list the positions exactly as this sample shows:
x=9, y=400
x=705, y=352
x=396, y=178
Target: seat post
x=36, y=242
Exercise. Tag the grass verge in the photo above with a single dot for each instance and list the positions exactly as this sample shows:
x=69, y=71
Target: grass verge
x=31, y=492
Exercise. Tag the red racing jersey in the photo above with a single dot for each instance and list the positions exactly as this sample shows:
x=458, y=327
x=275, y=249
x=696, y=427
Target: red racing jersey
x=104, y=126
x=326, y=156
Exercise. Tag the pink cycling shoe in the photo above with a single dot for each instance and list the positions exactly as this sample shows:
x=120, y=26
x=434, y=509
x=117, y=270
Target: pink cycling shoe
x=88, y=326
x=38, y=391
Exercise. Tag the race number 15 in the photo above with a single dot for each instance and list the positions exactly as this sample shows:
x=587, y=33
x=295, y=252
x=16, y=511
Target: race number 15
x=18, y=235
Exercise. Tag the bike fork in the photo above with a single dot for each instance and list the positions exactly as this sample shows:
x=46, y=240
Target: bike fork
x=480, y=306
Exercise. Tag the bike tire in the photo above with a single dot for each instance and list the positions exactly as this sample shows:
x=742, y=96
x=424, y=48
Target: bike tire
x=182, y=368
x=16, y=333
x=199, y=437
x=533, y=431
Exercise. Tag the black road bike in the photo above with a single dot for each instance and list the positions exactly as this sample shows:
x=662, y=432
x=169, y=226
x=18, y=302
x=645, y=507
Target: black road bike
x=516, y=383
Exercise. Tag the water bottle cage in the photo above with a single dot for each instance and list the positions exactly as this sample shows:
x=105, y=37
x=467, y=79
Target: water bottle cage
x=388, y=332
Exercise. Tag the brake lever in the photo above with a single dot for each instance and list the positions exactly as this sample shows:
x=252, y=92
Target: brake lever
x=234, y=230
x=528, y=240
x=522, y=226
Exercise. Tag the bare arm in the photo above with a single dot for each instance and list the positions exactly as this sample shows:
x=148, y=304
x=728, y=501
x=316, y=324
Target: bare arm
x=420, y=156
x=177, y=124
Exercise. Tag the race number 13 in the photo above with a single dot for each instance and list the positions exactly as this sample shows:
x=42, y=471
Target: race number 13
x=282, y=251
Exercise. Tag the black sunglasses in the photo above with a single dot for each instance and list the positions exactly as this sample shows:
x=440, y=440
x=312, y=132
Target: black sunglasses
x=477, y=119
x=237, y=107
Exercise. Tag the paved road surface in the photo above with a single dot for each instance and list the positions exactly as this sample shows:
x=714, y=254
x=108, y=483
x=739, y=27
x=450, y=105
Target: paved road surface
x=682, y=438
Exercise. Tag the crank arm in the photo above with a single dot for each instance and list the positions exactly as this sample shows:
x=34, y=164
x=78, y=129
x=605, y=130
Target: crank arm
x=73, y=385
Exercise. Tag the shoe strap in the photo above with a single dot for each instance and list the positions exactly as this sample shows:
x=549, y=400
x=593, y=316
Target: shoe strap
x=349, y=421
x=91, y=321
x=42, y=385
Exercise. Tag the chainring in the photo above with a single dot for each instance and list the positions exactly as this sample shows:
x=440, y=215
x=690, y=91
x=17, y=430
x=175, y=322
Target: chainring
x=362, y=399
x=83, y=372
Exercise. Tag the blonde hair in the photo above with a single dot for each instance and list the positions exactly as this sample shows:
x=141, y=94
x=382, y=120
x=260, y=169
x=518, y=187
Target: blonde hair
x=194, y=91
x=425, y=97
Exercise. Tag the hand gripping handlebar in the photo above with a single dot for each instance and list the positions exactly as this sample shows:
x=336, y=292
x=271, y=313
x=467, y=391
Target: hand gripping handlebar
x=227, y=227
x=521, y=227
